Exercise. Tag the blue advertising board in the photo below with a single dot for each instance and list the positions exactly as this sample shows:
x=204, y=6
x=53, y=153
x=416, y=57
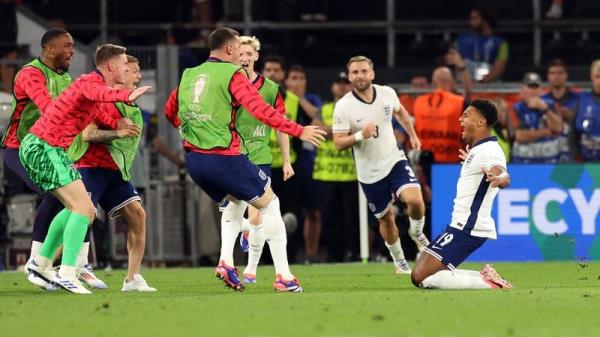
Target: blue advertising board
x=549, y=212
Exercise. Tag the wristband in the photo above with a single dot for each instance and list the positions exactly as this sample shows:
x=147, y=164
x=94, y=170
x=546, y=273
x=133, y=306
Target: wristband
x=359, y=136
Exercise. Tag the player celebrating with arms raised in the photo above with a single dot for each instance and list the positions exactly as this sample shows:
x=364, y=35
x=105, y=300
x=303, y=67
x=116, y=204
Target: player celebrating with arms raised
x=362, y=119
x=482, y=173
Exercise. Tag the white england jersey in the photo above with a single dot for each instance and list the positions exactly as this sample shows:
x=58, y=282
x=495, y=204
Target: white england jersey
x=473, y=203
x=375, y=157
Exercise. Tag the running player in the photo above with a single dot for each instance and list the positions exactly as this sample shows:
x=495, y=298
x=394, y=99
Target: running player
x=35, y=86
x=483, y=172
x=43, y=156
x=203, y=107
x=255, y=138
x=363, y=120
x=104, y=159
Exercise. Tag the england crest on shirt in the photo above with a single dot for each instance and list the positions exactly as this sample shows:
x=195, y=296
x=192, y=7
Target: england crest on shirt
x=387, y=110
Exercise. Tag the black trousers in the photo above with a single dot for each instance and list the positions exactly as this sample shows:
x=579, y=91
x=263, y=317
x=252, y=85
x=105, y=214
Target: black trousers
x=340, y=220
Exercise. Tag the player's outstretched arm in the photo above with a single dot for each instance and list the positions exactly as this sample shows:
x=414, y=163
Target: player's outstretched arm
x=496, y=176
x=246, y=94
x=93, y=134
x=138, y=92
x=100, y=92
x=313, y=135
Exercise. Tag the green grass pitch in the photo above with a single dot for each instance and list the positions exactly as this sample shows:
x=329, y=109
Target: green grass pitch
x=550, y=299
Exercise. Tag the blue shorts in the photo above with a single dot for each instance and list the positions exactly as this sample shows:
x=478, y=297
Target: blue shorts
x=220, y=175
x=108, y=188
x=13, y=163
x=453, y=246
x=380, y=194
x=266, y=168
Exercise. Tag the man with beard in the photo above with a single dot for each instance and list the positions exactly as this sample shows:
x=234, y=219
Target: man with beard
x=362, y=119
x=35, y=86
x=43, y=155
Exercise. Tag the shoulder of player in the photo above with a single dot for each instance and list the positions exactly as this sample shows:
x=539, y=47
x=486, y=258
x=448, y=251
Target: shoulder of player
x=27, y=73
x=487, y=149
x=384, y=89
x=267, y=83
x=344, y=102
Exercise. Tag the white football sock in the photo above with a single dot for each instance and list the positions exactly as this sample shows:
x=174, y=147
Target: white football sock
x=416, y=226
x=36, y=246
x=467, y=272
x=43, y=261
x=246, y=225
x=67, y=271
x=231, y=223
x=446, y=279
x=256, y=240
x=82, y=257
x=276, y=237
x=395, y=250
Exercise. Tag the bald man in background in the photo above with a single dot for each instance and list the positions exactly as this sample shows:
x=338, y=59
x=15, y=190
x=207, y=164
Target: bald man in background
x=436, y=117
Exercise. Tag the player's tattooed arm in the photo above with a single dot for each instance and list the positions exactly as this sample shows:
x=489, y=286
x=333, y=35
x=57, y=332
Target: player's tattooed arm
x=93, y=134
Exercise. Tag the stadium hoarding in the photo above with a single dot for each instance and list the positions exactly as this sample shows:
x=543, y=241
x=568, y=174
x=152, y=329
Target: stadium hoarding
x=549, y=212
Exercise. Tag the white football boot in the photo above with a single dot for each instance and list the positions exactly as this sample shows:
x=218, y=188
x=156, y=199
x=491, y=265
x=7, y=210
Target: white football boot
x=137, y=284
x=87, y=276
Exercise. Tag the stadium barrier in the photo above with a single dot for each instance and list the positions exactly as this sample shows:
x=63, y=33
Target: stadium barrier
x=173, y=215
x=549, y=212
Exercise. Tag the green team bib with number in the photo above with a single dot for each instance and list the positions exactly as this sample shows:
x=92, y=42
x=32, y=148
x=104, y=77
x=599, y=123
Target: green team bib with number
x=55, y=83
x=330, y=164
x=254, y=134
x=205, y=108
x=291, y=107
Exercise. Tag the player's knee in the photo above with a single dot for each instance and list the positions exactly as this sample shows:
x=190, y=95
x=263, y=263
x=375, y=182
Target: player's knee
x=254, y=218
x=415, y=202
x=135, y=215
x=387, y=220
x=138, y=213
x=417, y=276
x=87, y=209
